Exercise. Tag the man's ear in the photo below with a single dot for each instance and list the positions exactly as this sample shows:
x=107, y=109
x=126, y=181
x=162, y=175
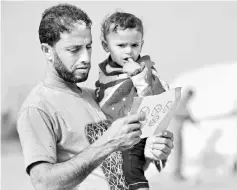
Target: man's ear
x=105, y=45
x=47, y=51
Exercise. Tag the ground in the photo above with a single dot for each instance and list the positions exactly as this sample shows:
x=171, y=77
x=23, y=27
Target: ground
x=14, y=177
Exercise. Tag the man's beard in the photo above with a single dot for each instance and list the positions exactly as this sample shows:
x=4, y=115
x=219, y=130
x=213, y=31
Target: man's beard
x=64, y=73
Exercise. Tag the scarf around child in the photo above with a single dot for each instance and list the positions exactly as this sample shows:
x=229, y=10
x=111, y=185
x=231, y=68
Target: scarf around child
x=115, y=90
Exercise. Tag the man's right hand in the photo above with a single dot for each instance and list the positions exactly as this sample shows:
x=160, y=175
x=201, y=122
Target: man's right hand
x=124, y=132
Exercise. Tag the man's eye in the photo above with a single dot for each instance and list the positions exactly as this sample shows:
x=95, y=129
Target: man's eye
x=88, y=47
x=73, y=50
x=121, y=45
x=135, y=45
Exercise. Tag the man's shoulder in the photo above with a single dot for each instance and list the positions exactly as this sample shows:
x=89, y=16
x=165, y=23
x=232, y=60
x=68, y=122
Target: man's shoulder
x=89, y=91
x=37, y=98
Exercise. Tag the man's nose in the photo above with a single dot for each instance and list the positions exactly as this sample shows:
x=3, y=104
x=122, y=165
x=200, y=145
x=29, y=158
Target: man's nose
x=85, y=56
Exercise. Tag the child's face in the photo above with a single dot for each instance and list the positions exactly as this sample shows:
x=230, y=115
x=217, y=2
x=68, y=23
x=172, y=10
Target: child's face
x=124, y=44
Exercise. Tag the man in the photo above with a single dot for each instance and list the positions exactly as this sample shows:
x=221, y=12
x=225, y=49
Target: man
x=182, y=115
x=67, y=142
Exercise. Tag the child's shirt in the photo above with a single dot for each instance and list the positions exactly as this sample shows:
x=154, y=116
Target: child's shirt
x=115, y=90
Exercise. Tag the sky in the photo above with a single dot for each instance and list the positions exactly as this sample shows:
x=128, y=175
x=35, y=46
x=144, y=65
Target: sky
x=179, y=36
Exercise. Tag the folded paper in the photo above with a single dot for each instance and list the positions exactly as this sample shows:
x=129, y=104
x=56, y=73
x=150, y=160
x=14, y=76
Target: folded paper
x=158, y=110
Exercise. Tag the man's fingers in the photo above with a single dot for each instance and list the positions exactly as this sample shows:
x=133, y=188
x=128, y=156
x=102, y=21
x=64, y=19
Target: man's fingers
x=136, y=140
x=162, y=140
x=162, y=147
x=134, y=127
x=134, y=118
x=132, y=143
x=159, y=155
x=135, y=134
x=169, y=143
x=166, y=134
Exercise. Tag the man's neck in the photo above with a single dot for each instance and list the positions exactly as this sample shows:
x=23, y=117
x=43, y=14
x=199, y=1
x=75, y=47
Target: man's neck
x=52, y=78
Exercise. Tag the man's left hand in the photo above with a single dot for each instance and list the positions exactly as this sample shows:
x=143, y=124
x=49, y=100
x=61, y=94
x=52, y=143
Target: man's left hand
x=158, y=147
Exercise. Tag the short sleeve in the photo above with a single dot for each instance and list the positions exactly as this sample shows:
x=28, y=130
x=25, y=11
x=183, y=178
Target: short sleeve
x=37, y=137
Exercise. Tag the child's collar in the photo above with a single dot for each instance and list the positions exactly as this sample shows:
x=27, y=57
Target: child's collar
x=112, y=63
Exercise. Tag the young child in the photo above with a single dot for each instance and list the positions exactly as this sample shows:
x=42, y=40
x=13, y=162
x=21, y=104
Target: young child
x=124, y=75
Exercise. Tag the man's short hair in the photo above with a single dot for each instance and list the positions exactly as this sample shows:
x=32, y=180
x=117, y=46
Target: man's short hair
x=121, y=21
x=58, y=19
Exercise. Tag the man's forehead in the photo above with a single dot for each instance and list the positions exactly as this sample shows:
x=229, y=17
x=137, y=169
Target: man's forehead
x=81, y=25
x=79, y=34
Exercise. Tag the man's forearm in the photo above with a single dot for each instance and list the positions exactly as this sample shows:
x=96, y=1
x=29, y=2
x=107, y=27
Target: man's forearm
x=69, y=174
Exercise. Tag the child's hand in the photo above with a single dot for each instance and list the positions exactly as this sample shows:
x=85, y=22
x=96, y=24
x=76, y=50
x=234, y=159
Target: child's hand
x=132, y=68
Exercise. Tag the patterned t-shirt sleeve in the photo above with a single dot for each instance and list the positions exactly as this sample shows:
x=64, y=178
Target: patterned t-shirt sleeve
x=37, y=137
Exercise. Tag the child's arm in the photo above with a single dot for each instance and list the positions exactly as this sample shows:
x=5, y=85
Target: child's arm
x=147, y=81
x=140, y=74
x=158, y=85
x=143, y=83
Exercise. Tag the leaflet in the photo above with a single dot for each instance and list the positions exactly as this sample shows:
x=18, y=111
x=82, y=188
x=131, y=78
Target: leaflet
x=158, y=109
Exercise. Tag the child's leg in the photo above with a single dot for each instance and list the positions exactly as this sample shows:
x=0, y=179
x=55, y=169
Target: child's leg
x=134, y=161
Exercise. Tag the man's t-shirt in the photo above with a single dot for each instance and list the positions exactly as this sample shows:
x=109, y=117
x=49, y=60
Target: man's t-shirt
x=51, y=126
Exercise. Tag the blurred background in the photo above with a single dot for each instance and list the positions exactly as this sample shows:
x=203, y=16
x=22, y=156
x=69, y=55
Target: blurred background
x=194, y=45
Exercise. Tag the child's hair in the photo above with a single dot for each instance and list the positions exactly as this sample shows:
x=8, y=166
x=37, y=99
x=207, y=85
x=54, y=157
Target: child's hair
x=122, y=21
